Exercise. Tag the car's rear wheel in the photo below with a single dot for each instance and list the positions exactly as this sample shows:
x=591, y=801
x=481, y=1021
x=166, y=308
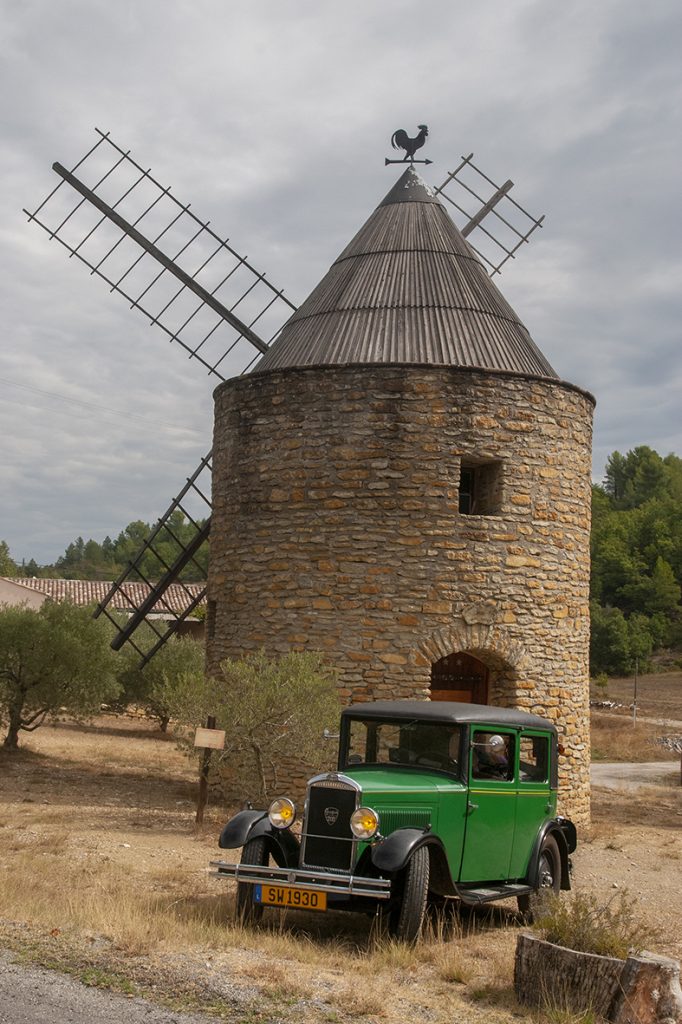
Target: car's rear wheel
x=407, y=916
x=549, y=880
x=254, y=852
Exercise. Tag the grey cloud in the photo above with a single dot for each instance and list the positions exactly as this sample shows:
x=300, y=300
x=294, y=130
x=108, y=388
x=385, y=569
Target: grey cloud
x=275, y=126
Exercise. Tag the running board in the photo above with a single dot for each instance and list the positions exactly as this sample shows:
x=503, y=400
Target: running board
x=488, y=893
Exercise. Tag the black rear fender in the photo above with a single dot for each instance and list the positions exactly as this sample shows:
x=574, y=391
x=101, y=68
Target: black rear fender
x=282, y=845
x=552, y=828
x=570, y=833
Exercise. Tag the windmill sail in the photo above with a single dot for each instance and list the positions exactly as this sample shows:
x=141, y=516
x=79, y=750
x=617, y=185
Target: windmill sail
x=510, y=225
x=174, y=553
x=129, y=230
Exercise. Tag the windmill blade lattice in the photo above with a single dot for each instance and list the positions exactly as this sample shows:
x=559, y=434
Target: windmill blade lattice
x=513, y=225
x=127, y=228
x=175, y=550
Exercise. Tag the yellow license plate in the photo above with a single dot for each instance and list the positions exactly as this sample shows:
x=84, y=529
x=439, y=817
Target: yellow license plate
x=285, y=896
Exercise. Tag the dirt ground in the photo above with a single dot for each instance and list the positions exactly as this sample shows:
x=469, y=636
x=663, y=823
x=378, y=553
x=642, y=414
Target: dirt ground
x=106, y=875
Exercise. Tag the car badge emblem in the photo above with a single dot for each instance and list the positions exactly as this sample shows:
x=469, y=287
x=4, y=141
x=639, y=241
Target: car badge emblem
x=331, y=815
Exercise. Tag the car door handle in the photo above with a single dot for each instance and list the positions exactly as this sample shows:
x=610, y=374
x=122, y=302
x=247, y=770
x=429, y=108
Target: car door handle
x=471, y=807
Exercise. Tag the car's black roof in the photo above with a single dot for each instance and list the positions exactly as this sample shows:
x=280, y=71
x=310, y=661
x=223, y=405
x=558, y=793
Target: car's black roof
x=447, y=711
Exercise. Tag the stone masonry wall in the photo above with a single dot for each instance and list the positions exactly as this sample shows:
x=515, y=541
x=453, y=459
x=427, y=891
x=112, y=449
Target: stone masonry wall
x=336, y=527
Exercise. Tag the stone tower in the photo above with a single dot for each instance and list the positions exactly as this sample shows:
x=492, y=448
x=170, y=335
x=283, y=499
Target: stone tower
x=403, y=483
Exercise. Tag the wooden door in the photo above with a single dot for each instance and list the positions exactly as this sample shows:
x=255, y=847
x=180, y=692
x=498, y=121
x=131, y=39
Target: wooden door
x=460, y=677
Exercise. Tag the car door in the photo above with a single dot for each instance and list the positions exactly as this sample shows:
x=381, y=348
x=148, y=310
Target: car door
x=536, y=802
x=491, y=809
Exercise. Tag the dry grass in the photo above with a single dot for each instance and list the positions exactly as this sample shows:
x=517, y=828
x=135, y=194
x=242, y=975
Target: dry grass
x=99, y=852
x=100, y=863
x=615, y=738
x=659, y=695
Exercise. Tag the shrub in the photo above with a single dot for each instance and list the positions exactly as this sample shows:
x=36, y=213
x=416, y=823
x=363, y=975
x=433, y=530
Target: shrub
x=272, y=709
x=588, y=926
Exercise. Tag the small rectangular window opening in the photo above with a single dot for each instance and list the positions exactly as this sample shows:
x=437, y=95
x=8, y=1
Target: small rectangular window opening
x=480, y=487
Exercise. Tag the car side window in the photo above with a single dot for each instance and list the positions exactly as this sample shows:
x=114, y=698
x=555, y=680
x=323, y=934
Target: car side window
x=534, y=759
x=358, y=743
x=492, y=755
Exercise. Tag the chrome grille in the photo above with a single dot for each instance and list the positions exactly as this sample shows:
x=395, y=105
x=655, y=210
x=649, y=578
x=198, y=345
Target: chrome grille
x=327, y=839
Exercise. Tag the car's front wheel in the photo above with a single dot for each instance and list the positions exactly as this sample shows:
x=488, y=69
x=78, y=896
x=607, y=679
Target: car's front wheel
x=549, y=880
x=254, y=852
x=407, y=916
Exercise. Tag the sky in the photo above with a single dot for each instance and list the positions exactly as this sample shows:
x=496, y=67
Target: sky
x=273, y=119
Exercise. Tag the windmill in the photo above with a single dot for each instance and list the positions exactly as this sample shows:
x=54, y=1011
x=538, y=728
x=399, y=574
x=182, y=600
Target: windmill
x=127, y=228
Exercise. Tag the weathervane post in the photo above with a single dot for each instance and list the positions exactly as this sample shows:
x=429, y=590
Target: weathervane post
x=401, y=140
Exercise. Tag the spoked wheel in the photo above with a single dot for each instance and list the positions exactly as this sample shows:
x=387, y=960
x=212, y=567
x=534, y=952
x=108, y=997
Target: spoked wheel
x=549, y=880
x=407, y=916
x=254, y=852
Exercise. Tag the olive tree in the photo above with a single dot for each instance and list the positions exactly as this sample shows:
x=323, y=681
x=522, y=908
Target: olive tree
x=273, y=710
x=149, y=686
x=55, y=658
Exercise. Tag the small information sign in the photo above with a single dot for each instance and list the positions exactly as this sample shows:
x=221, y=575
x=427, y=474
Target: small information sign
x=213, y=739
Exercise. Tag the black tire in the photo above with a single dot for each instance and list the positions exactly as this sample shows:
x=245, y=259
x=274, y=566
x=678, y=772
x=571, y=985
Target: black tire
x=254, y=852
x=407, y=916
x=549, y=880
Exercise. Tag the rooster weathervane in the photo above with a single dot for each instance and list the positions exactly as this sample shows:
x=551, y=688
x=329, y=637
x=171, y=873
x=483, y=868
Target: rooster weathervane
x=401, y=140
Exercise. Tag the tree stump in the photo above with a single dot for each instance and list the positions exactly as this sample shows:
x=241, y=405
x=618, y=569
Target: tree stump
x=649, y=991
x=643, y=989
x=563, y=979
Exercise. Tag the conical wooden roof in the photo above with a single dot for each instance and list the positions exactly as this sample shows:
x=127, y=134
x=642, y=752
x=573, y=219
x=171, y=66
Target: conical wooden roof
x=407, y=289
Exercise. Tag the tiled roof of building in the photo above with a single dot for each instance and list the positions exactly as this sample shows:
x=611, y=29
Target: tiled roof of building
x=85, y=592
x=407, y=289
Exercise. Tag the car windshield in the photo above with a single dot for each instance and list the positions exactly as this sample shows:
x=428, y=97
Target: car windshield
x=415, y=744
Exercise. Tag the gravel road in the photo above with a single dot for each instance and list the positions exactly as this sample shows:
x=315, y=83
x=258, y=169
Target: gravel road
x=614, y=775
x=30, y=995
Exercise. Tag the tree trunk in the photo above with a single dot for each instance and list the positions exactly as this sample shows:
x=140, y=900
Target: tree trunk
x=260, y=768
x=11, y=740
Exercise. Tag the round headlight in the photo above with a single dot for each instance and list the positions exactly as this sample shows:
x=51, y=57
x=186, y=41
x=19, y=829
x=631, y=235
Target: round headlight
x=364, y=823
x=282, y=812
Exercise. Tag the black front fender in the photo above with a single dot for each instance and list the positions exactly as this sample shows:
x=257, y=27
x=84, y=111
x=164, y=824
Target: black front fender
x=236, y=831
x=282, y=844
x=392, y=854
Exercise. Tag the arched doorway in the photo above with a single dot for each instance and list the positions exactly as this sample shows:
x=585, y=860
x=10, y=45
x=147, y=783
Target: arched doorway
x=460, y=677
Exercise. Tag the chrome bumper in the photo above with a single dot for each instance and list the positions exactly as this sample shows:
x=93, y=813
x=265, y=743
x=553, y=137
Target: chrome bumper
x=320, y=881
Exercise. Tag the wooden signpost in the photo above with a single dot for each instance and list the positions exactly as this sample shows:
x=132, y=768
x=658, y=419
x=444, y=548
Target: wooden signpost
x=210, y=739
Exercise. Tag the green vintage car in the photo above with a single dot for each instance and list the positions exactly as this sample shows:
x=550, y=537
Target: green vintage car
x=431, y=800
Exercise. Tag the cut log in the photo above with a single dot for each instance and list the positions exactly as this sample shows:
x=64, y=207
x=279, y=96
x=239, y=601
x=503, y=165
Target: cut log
x=649, y=991
x=644, y=989
x=563, y=979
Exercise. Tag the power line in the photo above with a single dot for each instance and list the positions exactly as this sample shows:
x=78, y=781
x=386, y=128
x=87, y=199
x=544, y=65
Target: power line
x=97, y=406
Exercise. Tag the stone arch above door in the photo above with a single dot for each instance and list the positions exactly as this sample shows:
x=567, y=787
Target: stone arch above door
x=490, y=645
